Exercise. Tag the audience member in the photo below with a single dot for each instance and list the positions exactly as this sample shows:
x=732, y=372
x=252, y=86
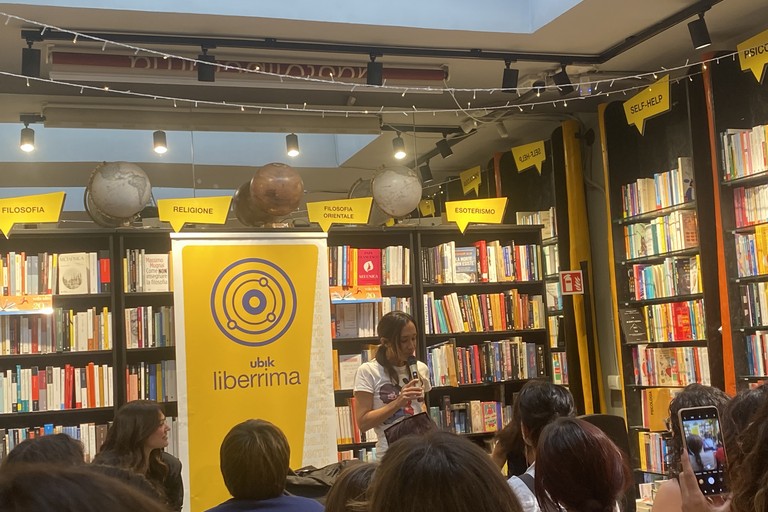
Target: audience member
x=738, y=415
x=579, y=468
x=349, y=492
x=131, y=478
x=54, y=448
x=439, y=471
x=254, y=460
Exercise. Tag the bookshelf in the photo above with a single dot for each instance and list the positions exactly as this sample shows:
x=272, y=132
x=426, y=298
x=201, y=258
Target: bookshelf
x=666, y=303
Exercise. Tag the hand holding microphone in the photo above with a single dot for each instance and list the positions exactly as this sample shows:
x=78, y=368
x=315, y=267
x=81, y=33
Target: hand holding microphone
x=412, y=390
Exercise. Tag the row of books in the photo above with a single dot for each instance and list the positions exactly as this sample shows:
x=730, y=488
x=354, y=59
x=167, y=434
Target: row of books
x=554, y=296
x=362, y=454
x=546, y=218
x=670, y=366
x=485, y=261
x=752, y=252
x=750, y=205
x=352, y=266
x=347, y=431
x=471, y=417
x=489, y=361
x=345, y=365
x=559, y=368
x=360, y=319
x=654, y=451
x=675, y=321
x=556, y=338
x=151, y=381
x=757, y=353
x=503, y=311
x=665, y=189
x=144, y=272
x=754, y=303
x=674, y=232
x=149, y=326
x=54, y=388
x=743, y=151
x=674, y=276
x=52, y=273
x=63, y=331
x=551, y=260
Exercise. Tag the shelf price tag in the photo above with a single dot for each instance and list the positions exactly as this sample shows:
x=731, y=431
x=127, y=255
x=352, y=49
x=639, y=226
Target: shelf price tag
x=488, y=211
x=198, y=210
x=471, y=179
x=650, y=102
x=340, y=211
x=529, y=155
x=753, y=54
x=30, y=209
x=427, y=207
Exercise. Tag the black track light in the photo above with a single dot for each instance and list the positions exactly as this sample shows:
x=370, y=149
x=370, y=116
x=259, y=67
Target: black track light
x=398, y=145
x=30, y=61
x=444, y=148
x=292, y=144
x=159, y=142
x=699, y=33
x=206, y=72
x=27, y=141
x=563, y=82
x=426, y=173
x=509, y=79
x=375, y=75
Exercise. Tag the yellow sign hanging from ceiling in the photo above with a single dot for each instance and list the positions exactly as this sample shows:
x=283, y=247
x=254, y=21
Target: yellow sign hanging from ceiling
x=340, y=211
x=427, y=207
x=650, y=102
x=198, y=210
x=30, y=209
x=529, y=155
x=471, y=179
x=753, y=54
x=488, y=211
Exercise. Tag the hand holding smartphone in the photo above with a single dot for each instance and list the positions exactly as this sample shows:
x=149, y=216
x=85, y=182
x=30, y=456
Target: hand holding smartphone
x=703, y=446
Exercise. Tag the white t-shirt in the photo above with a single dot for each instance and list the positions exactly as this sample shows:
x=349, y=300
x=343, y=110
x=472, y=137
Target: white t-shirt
x=373, y=378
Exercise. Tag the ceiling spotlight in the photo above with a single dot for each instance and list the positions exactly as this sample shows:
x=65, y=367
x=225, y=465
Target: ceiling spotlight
x=699, y=33
x=509, y=79
x=27, y=142
x=399, y=146
x=30, y=61
x=159, y=142
x=206, y=72
x=375, y=72
x=563, y=82
x=468, y=125
x=444, y=147
x=292, y=144
x=426, y=173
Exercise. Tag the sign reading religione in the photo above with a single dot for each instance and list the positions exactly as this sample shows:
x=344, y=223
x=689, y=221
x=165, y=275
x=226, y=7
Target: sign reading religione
x=650, y=102
x=488, y=211
x=340, y=211
x=753, y=54
x=197, y=210
x=529, y=155
x=30, y=209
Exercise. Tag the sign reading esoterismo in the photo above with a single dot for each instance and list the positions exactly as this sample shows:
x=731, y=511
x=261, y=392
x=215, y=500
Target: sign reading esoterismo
x=529, y=155
x=340, y=211
x=753, y=54
x=488, y=211
x=650, y=102
x=197, y=210
x=30, y=209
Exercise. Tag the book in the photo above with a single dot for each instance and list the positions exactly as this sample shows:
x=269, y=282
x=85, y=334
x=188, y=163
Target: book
x=633, y=326
x=155, y=275
x=348, y=365
x=73, y=273
x=465, y=260
x=368, y=266
x=105, y=272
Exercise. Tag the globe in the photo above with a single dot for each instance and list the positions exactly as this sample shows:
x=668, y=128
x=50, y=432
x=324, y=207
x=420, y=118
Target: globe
x=117, y=191
x=277, y=189
x=246, y=210
x=397, y=190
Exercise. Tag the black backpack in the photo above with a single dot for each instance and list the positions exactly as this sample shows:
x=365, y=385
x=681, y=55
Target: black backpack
x=314, y=483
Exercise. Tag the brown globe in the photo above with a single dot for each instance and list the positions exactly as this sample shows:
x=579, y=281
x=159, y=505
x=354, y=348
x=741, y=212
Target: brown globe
x=245, y=210
x=277, y=189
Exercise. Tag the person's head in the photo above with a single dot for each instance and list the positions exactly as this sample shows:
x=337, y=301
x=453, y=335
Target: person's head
x=540, y=403
x=397, y=333
x=254, y=460
x=57, y=488
x=55, y=449
x=737, y=415
x=439, y=471
x=138, y=426
x=579, y=468
x=749, y=475
x=693, y=395
x=349, y=492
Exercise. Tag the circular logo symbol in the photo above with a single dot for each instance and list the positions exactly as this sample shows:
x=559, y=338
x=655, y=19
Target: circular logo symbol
x=253, y=302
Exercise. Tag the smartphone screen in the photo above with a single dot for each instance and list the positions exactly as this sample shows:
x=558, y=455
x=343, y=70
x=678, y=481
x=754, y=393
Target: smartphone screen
x=703, y=443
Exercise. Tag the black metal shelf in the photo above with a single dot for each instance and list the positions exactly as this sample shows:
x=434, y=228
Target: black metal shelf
x=690, y=205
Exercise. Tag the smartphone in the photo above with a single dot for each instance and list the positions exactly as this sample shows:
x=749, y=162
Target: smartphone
x=703, y=445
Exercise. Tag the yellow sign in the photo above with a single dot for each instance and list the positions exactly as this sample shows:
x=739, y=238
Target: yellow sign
x=16, y=304
x=389, y=222
x=753, y=54
x=471, y=179
x=340, y=211
x=489, y=211
x=198, y=210
x=649, y=102
x=427, y=207
x=30, y=209
x=529, y=155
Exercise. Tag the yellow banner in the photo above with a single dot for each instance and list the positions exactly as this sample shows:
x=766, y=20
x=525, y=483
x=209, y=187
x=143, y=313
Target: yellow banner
x=529, y=155
x=488, y=211
x=195, y=210
x=427, y=207
x=649, y=102
x=340, y=211
x=753, y=54
x=471, y=179
x=18, y=304
x=30, y=209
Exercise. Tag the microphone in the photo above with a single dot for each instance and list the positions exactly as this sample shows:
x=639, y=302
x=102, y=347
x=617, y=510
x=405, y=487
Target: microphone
x=413, y=367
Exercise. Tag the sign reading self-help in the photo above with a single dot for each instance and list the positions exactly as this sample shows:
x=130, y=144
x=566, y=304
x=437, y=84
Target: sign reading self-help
x=529, y=155
x=571, y=282
x=488, y=211
x=197, y=210
x=30, y=209
x=753, y=54
x=340, y=211
x=471, y=180
x=650, y=102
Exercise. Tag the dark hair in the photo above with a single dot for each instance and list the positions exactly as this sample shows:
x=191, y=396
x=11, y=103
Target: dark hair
x=349, y=492
x=579, y=468
x=254, y=460
x=439, y=471
x=737, y=415
x=749, y=476
x=388, y=330
x=540, y=403
x=695, y=445
x=133, y=479
x=57, y=488
x=693, y=395
x=54, y=448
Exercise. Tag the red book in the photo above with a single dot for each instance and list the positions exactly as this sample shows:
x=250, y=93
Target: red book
x=482, y=261
x=69, y=377
x=90, y=383
x=105, y=272
x=35, y=389
x=681, y=322
x=368, y=266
